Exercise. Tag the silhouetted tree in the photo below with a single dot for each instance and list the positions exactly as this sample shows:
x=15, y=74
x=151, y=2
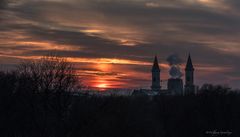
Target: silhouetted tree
x=209, y=89
x=49, y=75
x=46, y=85
x=36, y=100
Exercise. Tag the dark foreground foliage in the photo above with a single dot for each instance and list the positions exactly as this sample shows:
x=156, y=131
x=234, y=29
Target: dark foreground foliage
x=36, y=101
x=36, y=115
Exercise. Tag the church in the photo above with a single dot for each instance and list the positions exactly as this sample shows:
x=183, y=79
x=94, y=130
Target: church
x=175, y=85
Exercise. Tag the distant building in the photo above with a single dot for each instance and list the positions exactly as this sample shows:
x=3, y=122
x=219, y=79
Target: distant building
x=175, y=85
x=189, y=77
x=156, y=76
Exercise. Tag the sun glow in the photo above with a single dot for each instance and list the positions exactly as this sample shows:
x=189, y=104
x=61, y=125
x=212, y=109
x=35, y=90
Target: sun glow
x=102, y=86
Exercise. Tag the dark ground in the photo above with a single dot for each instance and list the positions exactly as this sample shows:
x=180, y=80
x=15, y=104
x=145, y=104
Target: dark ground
x=162, y=116
x=31, y=108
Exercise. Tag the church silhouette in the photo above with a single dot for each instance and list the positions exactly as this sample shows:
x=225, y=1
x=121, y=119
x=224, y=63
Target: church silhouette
x=175, y=84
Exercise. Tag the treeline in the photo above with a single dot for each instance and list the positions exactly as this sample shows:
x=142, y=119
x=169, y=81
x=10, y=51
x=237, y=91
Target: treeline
x=36, y=101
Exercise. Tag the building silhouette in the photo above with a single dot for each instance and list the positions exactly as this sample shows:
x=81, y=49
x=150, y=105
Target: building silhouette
x=156, y=76
x=175, y=85
x=189, y=77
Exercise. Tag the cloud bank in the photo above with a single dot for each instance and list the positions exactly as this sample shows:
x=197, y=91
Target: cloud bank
x=124, y=35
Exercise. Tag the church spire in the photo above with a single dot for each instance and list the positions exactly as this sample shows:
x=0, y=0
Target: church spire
x=189, y=65
x=155, y=76
x=155, y=66
x=189, y=77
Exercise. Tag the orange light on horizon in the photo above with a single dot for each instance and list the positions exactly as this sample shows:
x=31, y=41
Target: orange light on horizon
x=102, y=86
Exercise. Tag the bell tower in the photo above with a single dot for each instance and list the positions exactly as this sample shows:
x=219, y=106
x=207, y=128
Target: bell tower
x=189, y=77
x=155, y=76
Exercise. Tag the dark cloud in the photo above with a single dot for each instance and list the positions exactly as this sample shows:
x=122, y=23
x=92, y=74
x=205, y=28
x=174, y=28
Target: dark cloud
x=95, y=47
x=3, y=4
x=99, y=29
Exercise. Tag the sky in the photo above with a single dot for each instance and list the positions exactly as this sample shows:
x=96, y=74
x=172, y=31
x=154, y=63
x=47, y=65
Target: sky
x=113, y=42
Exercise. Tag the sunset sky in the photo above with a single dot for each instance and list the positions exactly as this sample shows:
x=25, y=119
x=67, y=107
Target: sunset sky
x=113, y=42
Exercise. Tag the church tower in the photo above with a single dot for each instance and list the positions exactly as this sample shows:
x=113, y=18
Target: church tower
x=189, y=77
x=155, y=76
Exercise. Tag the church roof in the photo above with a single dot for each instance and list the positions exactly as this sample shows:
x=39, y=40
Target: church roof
x=189, y=65
x=155, y=64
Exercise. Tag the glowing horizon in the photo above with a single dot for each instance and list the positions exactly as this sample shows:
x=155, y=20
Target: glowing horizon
x=113, y=42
